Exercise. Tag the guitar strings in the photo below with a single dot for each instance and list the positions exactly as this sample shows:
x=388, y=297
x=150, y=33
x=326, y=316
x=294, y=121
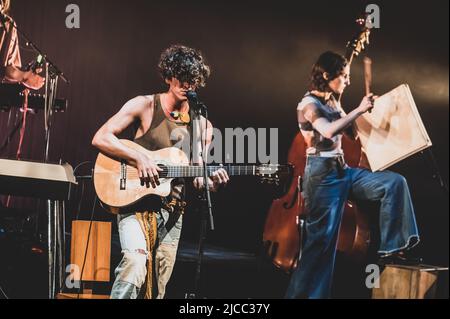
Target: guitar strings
x=190, y=171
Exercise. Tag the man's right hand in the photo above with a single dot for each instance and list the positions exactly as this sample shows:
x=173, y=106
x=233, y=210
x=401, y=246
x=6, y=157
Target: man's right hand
x=33, y=81
x=147, y=170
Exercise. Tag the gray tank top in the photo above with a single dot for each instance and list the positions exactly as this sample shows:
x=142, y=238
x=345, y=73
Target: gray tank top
x=159, y=137
x=316, y=143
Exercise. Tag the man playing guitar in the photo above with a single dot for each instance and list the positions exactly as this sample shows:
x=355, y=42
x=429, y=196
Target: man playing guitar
x=156, y=117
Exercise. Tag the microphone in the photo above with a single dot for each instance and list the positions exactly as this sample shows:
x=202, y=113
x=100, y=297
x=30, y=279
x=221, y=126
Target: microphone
x=194, y=102
x=37, y=63
x=192, y=97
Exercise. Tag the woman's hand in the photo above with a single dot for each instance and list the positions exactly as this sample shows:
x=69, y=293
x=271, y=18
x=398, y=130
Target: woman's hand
x=367, y=103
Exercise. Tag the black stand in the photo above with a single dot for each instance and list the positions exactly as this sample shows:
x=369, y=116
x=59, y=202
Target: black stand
x=205, y=198
x=436, y=172
x=11, y=134
x=55, y=209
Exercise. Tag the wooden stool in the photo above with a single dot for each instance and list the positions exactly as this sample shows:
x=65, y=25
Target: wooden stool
x=98, y=256
x=408, y=282
x=81, y=296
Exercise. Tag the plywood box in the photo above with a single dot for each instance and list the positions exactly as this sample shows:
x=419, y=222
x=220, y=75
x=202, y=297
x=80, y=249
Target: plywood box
x=408, y=282
x=97, y=265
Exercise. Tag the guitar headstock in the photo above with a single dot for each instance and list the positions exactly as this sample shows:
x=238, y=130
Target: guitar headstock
x=275, y=174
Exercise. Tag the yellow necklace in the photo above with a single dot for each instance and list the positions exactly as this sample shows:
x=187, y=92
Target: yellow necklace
x=177, y=115
x=181, y=116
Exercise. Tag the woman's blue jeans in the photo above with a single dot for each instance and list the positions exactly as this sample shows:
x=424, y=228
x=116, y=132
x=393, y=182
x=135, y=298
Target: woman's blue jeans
x=326, y=187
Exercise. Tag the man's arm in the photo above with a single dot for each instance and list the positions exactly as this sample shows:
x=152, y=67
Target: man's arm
x=13, y=74
x=106, y=139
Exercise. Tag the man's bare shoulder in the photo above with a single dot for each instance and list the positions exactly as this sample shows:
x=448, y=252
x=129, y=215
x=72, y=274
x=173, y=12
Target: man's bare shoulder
x=138, y=104
x=149, y=98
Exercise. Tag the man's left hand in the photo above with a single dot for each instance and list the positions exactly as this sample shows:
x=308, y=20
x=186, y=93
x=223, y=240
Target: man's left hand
x=217, y=179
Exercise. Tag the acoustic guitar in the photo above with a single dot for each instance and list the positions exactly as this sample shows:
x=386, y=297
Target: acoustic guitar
x=119, y=187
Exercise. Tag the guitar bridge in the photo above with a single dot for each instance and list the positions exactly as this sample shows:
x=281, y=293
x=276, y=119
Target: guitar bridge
x=123, y=176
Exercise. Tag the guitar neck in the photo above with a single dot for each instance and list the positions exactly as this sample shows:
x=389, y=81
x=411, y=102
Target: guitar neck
x=197, y=171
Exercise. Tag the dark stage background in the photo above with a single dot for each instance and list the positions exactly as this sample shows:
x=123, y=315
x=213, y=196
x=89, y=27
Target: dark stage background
x=261, y=53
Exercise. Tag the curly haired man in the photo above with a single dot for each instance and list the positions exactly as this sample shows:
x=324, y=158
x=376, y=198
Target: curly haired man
x=156, y=117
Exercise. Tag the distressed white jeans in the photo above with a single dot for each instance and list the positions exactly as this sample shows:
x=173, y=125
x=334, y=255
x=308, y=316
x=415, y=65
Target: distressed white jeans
x=132, y=270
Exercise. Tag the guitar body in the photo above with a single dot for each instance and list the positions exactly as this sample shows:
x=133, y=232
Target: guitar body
x=118, y=194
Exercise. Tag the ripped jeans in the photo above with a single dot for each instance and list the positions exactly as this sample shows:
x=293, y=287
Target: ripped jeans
x=132, y=270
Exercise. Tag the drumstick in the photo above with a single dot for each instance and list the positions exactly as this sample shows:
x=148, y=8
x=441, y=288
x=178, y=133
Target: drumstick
x=368, y=75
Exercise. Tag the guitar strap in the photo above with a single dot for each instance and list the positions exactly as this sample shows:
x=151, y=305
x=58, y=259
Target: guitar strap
x=147, y=221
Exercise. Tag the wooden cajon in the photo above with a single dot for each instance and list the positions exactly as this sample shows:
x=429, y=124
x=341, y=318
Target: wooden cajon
x=97, y=264
x=408, y=282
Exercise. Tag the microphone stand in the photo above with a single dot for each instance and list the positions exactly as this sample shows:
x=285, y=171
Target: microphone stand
x=436, y=174
x=205, y=198
x=207, y=192
x=54, y=208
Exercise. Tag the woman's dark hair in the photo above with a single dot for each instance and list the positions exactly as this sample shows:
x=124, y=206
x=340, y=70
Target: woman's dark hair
x=328, y=62
x=185, y=64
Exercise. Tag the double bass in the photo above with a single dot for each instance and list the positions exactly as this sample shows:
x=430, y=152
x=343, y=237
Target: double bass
x=283, y=231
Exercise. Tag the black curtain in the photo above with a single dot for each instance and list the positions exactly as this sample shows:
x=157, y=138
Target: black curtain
x=261, y=53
